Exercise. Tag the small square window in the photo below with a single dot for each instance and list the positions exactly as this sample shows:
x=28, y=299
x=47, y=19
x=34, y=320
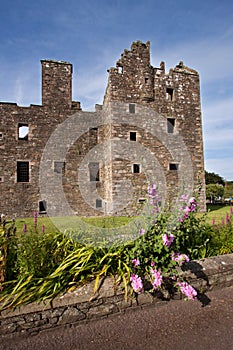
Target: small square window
x=169, y=94
x=1, y=136
x=23, y=130
x=141, y=200
x=22, y=171
x=120, y=69
x=59, y=167
x=98, y=203
x=1, y=179
x=173, y=166
x=42, y=206
x=136, y=168
x=170, y=125
x=133, y=136
x=131, y=108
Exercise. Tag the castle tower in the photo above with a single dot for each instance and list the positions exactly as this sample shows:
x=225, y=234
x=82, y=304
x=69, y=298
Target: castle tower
x=56, y=84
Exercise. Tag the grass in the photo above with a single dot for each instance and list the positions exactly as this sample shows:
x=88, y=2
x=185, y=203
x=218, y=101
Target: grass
x=216, y=212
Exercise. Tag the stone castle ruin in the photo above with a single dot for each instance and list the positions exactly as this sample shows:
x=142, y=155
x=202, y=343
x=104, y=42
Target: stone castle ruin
x=60, y=160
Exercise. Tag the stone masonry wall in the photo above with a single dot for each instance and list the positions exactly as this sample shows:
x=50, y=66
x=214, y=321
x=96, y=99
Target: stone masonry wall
x=139, y=98
x=82, y=306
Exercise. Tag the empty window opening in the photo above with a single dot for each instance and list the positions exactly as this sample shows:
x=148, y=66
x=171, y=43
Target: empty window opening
x=169, y=94
x=133, y=136
x=173, y=166
x=1, y=179
x=42, y=206
x=131, y=108
x=93, y=134
x=146, y=80
x=98, y=203
x=141, y=200
x=23, y=130
x=170, y=125
x=120, y=69
x=59, y=167
x=22, y=171
x=1, y=136
x=94, y=172
x=136, y=168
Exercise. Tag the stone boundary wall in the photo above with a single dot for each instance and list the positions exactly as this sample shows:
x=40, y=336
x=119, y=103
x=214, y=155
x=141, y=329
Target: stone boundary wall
x=81, y=305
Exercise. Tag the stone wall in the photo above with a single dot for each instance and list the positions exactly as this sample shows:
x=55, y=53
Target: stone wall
x=139, y=98
x=82, y=306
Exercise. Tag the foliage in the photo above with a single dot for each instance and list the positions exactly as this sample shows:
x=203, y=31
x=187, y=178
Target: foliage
x=41, y=266
x=214, y=191
x=228, y=189
x=212, y=178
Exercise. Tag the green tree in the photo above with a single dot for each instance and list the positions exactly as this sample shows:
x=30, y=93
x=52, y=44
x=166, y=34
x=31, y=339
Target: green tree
x=214, y=191
x=212, y=178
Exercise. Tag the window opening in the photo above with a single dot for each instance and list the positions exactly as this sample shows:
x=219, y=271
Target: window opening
x=23, y=130
x=1, y=136
x=22, y=171
x=146, y=80
x=141, y=200
x=98, y=203
x=133, y=136
x=169, y=94
x=94, y=171
x=42, y=206
x=136, y=168
x=1, y=179
x=120, y=69
x=170, y=125
x=131, y=108
x=173, y=166
x=59, y=167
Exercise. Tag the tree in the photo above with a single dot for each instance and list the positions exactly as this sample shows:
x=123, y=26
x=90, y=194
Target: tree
x=214, y=191
x=212, y=178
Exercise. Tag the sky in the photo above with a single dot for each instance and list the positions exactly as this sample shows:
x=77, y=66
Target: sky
x=92, y=35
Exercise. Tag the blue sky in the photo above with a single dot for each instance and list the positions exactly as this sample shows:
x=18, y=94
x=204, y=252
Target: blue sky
x=93, y=34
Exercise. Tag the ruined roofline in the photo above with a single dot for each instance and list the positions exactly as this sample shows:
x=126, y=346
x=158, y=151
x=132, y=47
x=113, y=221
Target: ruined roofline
x=56, y=61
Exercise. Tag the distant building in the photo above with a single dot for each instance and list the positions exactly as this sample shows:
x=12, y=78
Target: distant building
x=149, y=125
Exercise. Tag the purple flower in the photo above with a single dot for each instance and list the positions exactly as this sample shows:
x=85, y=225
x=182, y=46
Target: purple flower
x=136, y=283
x=35, y=218
x=227, y=218
x=43, y=228
x=167, y=240
x=152, y=263
x=187, y=290
x=213, y=221
x=24, y=228
x=141, y=231
x=157, y=278
x=180, y=258
x=184, y=198
x=135, y=262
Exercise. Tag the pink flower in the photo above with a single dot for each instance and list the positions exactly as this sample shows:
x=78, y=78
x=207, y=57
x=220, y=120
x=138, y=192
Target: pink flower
x=187, y=290
x=152, y=264
x=141, y=231
x=227, y=218
x=136, y=283
x=43, y=228
x=157, y=278
x=167, y=240
x=35, y=218
x=184, y=198
x=24, y=228
x=135, y=262
x=180, y=258
x=213, y=221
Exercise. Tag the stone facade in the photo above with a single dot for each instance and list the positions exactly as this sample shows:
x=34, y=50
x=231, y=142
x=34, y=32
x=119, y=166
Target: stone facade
x=59, y=159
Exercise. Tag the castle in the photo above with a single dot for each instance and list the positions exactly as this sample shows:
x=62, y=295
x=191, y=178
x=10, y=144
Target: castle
x=60, y=160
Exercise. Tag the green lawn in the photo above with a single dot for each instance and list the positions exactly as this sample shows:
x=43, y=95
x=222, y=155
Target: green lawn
x=218, y=213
